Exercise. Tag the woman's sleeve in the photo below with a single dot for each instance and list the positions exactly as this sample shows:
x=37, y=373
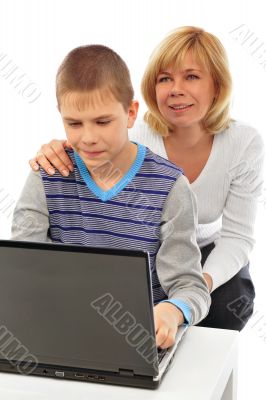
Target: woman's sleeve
x=31, y=217
x=236, y=240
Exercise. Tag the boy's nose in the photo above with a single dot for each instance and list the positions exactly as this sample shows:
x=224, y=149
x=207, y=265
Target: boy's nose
x=89, y=137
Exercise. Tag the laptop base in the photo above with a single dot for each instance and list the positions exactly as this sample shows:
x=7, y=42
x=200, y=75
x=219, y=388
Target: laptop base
x=86, y=375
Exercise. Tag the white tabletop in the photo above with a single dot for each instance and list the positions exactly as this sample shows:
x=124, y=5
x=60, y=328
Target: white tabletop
x=203, y=363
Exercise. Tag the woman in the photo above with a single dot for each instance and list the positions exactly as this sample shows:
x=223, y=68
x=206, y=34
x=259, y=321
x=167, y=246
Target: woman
x=187, y=87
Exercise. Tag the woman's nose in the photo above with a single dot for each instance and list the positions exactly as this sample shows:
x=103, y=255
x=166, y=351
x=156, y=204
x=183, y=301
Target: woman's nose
x=177, y=89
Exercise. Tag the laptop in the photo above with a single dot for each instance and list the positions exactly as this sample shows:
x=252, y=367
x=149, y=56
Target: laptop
x=80, y=313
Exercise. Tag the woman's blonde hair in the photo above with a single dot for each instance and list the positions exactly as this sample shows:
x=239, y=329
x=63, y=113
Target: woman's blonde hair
x=210, y=54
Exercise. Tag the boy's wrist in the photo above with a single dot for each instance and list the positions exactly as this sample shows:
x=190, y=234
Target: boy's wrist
x=180, y=315
x=181, y=309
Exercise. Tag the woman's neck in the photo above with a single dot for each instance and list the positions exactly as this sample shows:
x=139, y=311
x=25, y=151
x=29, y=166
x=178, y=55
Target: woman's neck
x=189, y=149
x=188, y=138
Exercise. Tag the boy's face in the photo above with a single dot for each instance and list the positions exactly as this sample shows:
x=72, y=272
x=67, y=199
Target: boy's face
x=96, y=126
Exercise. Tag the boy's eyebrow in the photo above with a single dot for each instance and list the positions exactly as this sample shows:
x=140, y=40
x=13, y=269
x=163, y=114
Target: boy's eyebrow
x=66, y=118
x=70, y=119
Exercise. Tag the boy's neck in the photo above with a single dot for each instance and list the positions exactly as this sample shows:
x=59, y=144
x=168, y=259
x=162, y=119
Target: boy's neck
x=111, y=172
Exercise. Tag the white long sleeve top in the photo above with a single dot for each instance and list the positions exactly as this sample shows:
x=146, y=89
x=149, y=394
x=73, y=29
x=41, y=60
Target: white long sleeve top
x=226, y=190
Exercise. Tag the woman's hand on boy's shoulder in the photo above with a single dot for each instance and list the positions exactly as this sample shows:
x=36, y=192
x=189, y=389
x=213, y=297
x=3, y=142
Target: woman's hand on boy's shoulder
x=53, y=156
x=167, y=317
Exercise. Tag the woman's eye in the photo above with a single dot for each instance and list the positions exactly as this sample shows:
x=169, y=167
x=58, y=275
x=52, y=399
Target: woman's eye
x=192, y=77
x=163, y=79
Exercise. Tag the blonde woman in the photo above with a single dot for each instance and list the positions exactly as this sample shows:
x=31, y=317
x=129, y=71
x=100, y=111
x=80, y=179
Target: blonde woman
x=187, y=88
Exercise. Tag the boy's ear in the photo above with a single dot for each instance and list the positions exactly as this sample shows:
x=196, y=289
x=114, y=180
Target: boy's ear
x=132, y=113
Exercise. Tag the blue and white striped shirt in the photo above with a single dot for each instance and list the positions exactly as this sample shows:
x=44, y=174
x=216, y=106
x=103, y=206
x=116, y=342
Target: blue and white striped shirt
x=126, y=216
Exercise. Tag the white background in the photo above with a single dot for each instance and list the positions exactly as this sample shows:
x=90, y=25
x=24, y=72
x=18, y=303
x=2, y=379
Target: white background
x=35, y=35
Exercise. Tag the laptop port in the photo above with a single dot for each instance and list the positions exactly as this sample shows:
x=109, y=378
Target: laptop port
x=60, y=374
x=101, y=378
x=91, y=377
x=79, y=376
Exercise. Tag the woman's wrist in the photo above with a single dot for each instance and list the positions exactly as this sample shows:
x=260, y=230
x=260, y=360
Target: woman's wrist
x=208, y=280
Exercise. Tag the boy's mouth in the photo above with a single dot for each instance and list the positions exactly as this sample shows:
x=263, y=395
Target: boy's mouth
x=92, y=154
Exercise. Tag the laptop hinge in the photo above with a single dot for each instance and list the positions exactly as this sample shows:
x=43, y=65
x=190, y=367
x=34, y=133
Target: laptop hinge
x=126, y=372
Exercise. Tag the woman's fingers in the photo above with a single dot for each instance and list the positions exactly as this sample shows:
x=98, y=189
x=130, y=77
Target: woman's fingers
x=52, y=156
x=67, y=145
x=56, y=154
x=34, y=165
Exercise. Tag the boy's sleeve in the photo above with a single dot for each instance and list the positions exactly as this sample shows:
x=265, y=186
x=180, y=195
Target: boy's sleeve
x=31, y=217
x=178, y=259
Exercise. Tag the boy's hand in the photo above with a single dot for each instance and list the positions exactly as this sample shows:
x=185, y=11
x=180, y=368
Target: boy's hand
x=54, y=152
x=167, y=317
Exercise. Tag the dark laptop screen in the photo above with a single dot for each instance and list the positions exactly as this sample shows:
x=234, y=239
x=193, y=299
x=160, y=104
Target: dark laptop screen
x=54, y=300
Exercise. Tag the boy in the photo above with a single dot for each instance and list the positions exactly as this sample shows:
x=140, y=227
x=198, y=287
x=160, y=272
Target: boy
x=120, y=194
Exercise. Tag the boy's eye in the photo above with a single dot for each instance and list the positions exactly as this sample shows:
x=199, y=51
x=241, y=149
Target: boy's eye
x=105, y=122
x=74, y=124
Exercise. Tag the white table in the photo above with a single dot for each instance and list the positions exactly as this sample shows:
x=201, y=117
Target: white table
x=204, y=368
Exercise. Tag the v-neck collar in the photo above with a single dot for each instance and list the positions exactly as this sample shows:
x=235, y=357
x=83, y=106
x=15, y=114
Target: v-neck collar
x=207, y=165
x=119, y=186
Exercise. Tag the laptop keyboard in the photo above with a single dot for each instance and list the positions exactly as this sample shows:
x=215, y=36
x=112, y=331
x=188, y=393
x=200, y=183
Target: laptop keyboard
x=161, y=354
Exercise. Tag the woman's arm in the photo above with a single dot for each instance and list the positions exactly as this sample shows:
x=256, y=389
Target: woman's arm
x=236, y=240
x=52, y=156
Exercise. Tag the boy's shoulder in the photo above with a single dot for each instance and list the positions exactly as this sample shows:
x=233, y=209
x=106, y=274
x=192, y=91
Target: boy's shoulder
x=57, y=175
x=70, y=153
x=154, y=161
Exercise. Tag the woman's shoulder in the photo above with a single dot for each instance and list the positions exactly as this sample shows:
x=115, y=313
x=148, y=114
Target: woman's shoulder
x=141, y=132
x=240, y=136
x=240, y=131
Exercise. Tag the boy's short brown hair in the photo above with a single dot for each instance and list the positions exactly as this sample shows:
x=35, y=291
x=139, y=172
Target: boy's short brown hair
x=94, y=67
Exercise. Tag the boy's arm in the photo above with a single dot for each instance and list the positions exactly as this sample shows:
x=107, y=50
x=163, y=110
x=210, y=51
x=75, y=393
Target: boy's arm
x=178, y=259
x=31, y=217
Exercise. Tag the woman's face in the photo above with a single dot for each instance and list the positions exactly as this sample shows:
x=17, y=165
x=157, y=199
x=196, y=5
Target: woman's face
x=184, y=96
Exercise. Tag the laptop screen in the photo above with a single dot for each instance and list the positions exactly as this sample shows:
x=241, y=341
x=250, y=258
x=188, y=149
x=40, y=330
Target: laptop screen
x=64, y=304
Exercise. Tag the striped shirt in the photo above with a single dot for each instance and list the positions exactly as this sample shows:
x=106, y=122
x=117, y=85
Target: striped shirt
x=126, y=216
